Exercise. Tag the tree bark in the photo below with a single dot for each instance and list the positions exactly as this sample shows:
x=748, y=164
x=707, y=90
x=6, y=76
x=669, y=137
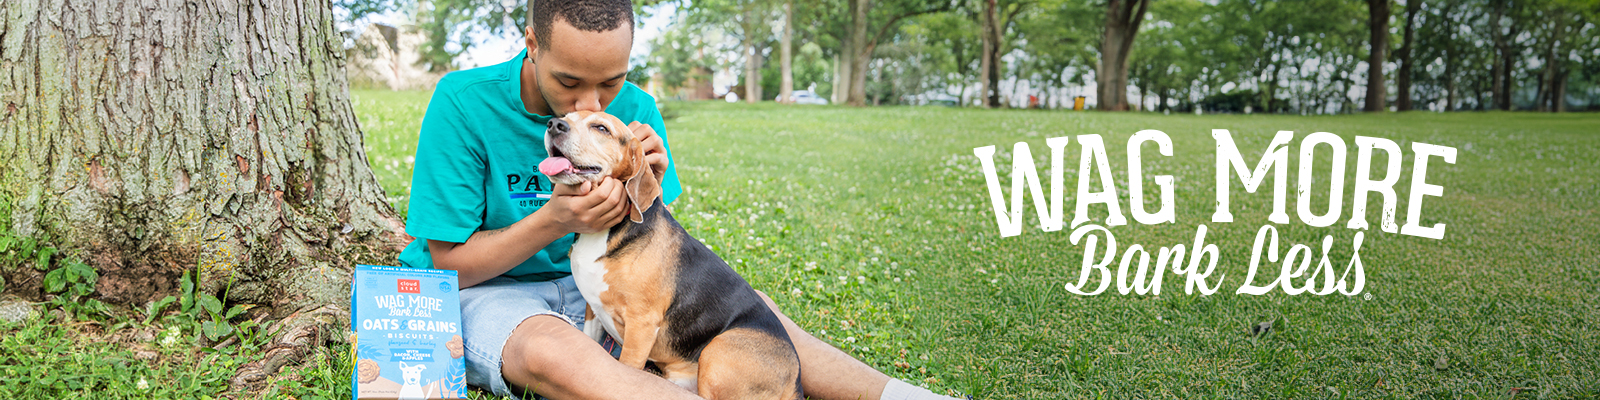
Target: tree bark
x=1548, y=99
x=1560, y=95
x=1161, y=95
x=1547, y=77
x=786, y=87
x=150, y=138
x=752, y=58
x=1503, y=61
x=856, y=94
x=841, y=74
x=1449, y=59
x=989, y=65
x=1122, y=25
x=1407, y=47
x=1378, y=21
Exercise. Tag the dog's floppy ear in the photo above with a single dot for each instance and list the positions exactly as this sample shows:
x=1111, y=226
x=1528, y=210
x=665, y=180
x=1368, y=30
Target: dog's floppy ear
x=643, y=189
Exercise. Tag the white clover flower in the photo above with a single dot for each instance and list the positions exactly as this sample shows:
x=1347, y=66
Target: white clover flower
x=851, y=339
x=142, y=385
x=170, y=336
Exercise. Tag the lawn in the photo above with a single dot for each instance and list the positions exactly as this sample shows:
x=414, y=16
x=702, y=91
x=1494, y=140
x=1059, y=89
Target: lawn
x=873, y=229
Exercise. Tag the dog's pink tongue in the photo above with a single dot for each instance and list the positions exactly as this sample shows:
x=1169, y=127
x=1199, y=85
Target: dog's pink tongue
x=554, y=165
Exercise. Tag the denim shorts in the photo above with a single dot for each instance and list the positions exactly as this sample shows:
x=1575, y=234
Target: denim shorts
x=492, y=309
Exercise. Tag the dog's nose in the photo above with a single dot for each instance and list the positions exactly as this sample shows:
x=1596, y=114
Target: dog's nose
x=559, y=126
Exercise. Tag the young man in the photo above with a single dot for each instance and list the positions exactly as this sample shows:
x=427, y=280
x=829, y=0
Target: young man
x=480, y=207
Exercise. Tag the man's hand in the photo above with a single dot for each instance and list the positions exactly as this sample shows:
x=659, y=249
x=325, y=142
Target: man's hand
x=587, y=208
x=655, y=151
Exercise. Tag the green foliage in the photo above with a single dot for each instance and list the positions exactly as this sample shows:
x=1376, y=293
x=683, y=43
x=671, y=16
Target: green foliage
x=324, y=375
x=47, y=358
x=51, y=355
x=202, y=314
x=66, y=277
x=683, y=52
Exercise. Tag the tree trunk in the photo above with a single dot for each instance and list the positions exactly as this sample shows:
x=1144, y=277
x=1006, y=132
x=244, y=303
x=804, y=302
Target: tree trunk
x=1548, y=99
x=1161, y=96
x=856, y=94
x=786, y=87
x=1509, y=59
x=1144, y=95
x=1449, y=60
x=1111, y=78
x=1449, y=84
x=841, y=73
x=752, y=62
x=990, y=62
x=1378, y=21
x=150, y=138
x=1503, y=61
x=1560, y=95
x=1407, y=47
x=1546, y=78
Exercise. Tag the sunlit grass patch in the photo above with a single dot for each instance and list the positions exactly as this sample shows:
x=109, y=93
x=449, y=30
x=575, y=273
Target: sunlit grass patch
x=872, y=229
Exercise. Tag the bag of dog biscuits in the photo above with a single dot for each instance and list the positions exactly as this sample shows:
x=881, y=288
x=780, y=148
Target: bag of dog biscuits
x=406, y=340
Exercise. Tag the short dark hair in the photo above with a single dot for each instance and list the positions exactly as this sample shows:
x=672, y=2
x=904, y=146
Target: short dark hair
x=586, y=15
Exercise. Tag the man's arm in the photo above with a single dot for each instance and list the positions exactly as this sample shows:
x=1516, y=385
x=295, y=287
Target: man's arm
x=487, y=254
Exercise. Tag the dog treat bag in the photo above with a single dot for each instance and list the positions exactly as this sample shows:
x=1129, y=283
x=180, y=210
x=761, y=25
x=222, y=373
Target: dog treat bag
x=407, y=334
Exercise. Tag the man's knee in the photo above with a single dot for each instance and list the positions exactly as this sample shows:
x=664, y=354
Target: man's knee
x=534, y=345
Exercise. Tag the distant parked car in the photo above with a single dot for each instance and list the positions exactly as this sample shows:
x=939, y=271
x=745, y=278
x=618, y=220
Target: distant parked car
x=808, y=97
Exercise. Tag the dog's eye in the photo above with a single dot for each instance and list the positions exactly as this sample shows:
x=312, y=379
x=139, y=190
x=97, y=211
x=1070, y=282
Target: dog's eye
x=601, y=128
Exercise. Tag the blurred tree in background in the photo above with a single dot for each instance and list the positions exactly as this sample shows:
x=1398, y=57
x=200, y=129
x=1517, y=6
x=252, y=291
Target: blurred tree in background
x=1302, y=57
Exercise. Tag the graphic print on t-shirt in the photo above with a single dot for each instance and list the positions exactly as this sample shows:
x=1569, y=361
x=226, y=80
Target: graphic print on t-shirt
x=528, y=189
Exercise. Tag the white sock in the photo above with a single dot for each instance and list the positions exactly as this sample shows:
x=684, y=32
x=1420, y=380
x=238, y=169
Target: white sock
x=900, y=390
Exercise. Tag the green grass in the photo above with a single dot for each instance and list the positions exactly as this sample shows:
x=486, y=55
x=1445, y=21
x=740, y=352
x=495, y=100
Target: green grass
x=390, y=120
x=872, y=229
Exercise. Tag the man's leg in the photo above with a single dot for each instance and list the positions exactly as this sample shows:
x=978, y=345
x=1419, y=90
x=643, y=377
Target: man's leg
x=828, y=373
x=549, y=356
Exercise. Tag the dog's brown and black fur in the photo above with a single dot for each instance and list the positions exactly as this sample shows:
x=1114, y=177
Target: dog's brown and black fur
x=670, y=299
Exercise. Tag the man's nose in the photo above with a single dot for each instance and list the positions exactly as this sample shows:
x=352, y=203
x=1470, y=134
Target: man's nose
x=589, y=101
x=559, y=126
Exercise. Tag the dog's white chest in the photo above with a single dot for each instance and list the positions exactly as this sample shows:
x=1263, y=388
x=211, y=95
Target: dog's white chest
x=590, y=275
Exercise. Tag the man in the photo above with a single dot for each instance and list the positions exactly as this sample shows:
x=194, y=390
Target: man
x=480, y=207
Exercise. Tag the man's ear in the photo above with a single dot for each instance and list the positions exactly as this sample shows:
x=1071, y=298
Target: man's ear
x=643, y=189
x=530, y=41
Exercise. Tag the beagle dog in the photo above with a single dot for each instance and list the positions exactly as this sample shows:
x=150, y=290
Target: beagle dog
x=668, y=297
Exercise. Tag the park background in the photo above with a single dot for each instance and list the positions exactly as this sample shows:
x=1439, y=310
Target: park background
x=176, y=231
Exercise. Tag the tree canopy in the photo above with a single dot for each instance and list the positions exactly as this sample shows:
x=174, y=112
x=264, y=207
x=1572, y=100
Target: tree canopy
x=1304, y=57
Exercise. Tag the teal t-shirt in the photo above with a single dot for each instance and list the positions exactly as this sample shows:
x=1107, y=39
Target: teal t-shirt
x=477, y=165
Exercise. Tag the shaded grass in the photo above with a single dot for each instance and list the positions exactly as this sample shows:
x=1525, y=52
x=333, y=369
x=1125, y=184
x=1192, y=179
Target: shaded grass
x=872, y=229
x=59, y=356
